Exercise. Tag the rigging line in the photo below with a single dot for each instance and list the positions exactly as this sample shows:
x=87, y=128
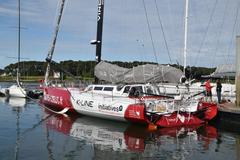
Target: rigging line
x=149, y=29
x=164, y=37
x=205, y=34
x=232, y=36
x=220, y=32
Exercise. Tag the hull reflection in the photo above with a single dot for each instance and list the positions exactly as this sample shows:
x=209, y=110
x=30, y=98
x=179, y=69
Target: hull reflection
x=14, y=102
x=108, y=135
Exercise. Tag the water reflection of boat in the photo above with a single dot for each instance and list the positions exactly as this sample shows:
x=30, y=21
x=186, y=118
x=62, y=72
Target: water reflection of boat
x=110, y=135
x=17, y=105
x=16, y=101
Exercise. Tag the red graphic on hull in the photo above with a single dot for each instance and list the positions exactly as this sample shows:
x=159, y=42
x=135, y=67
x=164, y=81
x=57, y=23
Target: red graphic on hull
x=59, y=98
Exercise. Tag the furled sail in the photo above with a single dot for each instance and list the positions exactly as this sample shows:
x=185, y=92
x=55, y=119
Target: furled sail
x=148, y=73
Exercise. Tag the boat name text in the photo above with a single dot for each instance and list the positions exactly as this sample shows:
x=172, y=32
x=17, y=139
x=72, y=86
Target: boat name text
x=100, y=3
x=110, y=108
x=85, y=103
x=53, y=99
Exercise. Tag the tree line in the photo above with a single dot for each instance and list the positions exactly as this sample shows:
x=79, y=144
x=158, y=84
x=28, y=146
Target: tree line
x=86, y=68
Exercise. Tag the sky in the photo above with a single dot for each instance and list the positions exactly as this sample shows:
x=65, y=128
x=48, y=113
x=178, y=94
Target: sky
x=212, y=29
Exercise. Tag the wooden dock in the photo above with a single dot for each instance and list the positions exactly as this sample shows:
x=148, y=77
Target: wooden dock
x=229, y=108
x=229, y=116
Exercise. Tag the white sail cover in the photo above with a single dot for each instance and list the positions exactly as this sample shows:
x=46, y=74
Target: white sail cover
x=226, y=70
x=140, y=74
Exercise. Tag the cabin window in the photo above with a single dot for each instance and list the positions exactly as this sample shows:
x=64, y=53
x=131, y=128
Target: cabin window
x=98, y=88
x=108, y=89
x=119, y=87
x=126, y=89
x=149, y=90
x=136, y=91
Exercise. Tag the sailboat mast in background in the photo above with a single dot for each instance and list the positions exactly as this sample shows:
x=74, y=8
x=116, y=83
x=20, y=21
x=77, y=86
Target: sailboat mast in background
x=19, y=43
x=185, y=38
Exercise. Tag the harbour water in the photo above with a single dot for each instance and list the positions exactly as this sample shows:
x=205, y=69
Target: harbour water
x=28, y=131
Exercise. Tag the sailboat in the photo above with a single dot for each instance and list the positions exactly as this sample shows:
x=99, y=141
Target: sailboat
x=140, y=103
x=16, y=90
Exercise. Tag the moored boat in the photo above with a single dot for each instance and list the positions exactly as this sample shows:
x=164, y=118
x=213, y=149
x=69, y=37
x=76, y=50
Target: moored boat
x=142, y=104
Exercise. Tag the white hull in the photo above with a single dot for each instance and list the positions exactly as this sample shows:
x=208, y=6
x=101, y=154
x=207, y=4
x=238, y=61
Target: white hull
x=16, y=91
x=102, y=106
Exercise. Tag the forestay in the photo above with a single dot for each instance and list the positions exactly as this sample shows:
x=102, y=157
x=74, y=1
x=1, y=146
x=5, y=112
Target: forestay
x=141, y=74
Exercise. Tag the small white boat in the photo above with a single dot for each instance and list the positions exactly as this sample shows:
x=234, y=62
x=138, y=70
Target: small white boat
x=16, y=91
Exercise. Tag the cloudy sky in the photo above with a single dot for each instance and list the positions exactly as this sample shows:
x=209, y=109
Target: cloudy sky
x=213, y=26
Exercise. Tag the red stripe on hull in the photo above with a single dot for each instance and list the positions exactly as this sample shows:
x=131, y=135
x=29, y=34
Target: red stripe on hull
x=205, y=112
x=210, y=110
x=58, y=98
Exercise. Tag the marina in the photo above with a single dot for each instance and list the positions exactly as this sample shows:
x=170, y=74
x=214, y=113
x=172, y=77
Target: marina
x=163, y=106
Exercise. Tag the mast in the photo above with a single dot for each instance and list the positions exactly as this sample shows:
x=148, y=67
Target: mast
x=50, y=52
x=19, y=45
x=98, y=41
x=99, y=30
x=185, y=38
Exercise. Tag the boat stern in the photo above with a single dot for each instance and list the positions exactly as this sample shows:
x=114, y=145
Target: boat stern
x=135, y=113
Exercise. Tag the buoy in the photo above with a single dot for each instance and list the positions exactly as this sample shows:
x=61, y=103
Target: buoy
x=152, y=127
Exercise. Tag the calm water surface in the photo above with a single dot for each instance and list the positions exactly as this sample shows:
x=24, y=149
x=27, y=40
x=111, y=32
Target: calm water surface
x=27, y=131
